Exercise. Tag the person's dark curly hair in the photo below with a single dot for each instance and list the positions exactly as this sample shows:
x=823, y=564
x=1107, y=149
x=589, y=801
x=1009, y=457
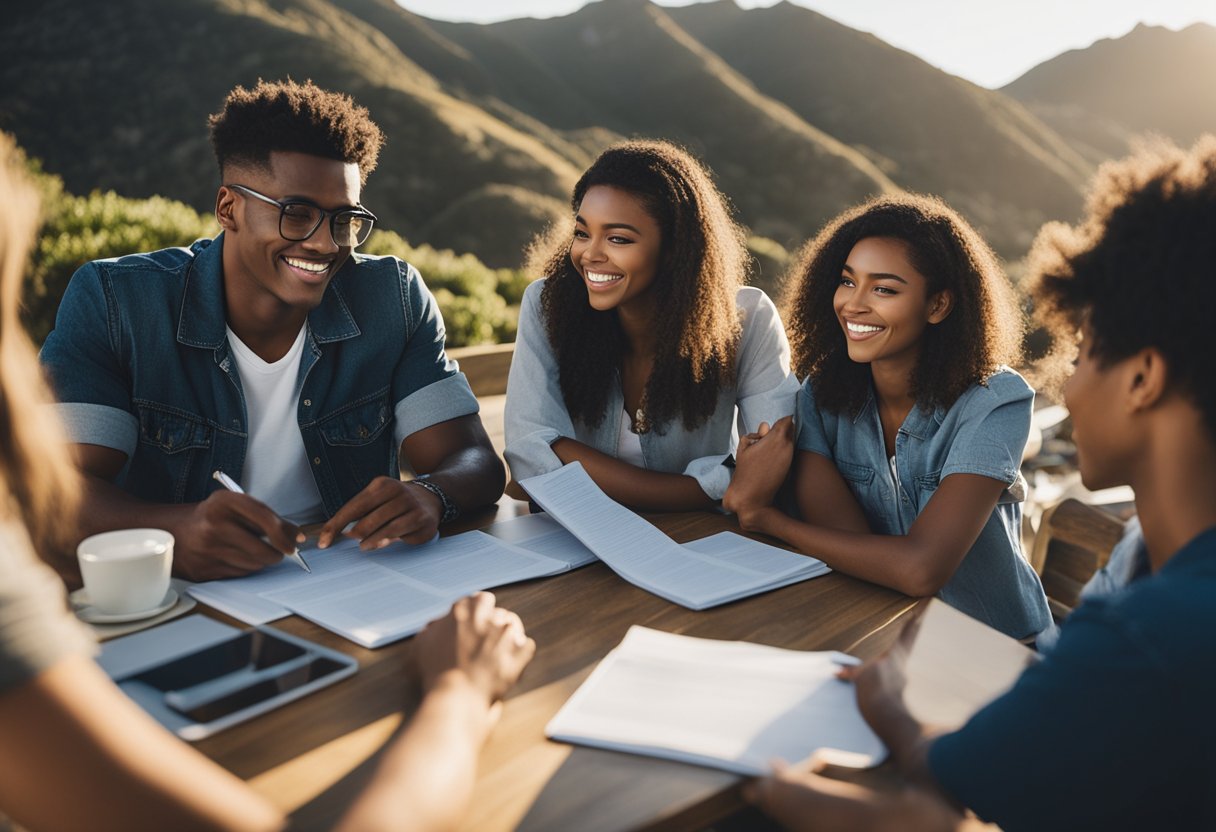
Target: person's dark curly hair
x=982, y=331
x=301, y=118
x=702, y=263
x=1140, y=269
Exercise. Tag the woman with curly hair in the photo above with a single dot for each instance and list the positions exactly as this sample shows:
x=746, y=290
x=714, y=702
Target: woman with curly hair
x=910, y=426
x=639, y=351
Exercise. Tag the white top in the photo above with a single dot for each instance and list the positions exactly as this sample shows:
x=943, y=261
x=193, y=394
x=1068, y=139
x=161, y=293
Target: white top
x=629, y=445
x=536, y=415
x=276, y=464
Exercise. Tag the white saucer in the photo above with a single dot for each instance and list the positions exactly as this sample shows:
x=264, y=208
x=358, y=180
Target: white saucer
x=86, y=612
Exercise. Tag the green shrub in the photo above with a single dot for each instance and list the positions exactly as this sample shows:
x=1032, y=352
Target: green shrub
x=77, y=229
x=479, y=304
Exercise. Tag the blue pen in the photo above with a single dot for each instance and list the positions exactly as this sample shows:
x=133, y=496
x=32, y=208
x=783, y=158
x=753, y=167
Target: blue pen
x=231, y=484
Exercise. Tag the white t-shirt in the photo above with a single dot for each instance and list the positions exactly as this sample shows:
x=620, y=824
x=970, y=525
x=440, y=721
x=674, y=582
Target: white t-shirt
x=629, y=445
x=276, y=464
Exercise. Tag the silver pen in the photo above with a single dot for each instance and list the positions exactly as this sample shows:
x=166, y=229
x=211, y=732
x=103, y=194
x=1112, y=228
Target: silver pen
x=232, y=485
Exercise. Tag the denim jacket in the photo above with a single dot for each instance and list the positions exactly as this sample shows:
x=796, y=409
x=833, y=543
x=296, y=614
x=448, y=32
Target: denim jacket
x=536, y=414
x=983, y=433
x=140, y=362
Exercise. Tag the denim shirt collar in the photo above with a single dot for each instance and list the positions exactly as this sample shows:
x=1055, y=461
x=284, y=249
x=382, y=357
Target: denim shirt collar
x=919, y=422
x=202, y=321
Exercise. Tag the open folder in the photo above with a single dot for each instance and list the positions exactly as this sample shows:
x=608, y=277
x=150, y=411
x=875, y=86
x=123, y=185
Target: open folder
x=724, y=704
x=704, y=573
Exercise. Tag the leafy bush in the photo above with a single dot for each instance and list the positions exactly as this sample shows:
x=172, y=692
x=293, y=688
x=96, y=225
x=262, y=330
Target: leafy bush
x=479, y=304
x=77, y=229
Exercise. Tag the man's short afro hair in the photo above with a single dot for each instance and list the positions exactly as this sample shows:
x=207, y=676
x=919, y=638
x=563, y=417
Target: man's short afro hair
x=284, y=115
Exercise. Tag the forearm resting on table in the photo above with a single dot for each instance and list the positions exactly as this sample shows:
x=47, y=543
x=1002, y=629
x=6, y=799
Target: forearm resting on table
x=426, y=777
x=901, y=562
x=76, y=753
x=636, y=487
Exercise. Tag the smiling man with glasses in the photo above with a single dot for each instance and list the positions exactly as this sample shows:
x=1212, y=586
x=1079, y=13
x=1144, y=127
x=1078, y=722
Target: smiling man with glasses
x=272, y=353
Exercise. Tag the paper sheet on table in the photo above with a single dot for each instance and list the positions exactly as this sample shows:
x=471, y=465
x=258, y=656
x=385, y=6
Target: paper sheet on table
x=724, y=704
x=542, y=534
x=699, y=575
x=373, y=598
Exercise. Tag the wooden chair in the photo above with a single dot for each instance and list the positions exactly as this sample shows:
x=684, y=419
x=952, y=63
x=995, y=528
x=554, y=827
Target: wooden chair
x=485, y=367
x=1073, y=542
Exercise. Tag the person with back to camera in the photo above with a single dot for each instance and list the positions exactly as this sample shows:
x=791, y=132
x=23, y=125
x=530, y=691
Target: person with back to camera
x=272, y=353
x=1113, y=729
x=75, y=752
x=910, y=426
x=640, y=354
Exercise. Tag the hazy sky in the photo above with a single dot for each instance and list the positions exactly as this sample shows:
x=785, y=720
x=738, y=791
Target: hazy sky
x=990, y=42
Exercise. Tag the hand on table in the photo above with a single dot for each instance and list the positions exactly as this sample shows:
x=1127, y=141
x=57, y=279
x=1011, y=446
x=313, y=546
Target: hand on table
x=880, y=682
x=383, y=511
x=800, y=798
x=762, y=462
x=230, y=534
x=476, y=644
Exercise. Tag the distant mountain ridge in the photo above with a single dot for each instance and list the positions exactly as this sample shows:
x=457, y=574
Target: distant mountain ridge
x=1151, y=80
x=489, y=125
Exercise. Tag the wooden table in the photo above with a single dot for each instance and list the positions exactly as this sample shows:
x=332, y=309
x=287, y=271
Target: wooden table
x=312, y=756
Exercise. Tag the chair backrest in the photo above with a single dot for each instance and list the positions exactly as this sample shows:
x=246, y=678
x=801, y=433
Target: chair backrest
x=1073, y=542
x=485, y=367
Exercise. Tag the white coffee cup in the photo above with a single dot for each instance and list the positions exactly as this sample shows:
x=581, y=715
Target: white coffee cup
x=126, y=571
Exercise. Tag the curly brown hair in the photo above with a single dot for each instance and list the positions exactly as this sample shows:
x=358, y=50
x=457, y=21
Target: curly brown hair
x=703, y=262
x=1140, y=269
x=302, y=118
x=982, y=331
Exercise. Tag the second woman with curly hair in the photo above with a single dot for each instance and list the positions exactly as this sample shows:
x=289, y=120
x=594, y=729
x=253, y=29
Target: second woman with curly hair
x=910, y=426
x=640, y=353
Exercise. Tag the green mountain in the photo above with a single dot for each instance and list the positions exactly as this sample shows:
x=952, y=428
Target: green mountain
x=928, y=130
x=116, y=95
x=489, y=125
x=1151, y=80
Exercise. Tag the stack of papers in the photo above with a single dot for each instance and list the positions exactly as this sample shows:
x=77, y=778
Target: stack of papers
x=724, y=704
x=373, y=598
x=697, y=575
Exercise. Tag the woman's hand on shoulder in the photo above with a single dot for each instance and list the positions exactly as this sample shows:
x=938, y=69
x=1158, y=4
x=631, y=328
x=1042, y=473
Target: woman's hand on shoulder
x=762, y=462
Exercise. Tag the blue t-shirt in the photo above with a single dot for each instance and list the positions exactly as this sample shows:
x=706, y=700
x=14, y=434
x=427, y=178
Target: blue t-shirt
x=984, y=433
x=1114, y=728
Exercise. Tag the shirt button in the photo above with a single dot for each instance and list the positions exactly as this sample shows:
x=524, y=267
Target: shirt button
x=316, y=460
x=308, y=402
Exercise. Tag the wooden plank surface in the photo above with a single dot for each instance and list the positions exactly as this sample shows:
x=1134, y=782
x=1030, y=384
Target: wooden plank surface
x=312, y=756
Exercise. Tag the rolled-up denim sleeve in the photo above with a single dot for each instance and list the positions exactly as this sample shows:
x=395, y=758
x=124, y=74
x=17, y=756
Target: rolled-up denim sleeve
x=535, y=415
x=812, y=435
x=85, y=366
x=993, y=428
x=428, y=387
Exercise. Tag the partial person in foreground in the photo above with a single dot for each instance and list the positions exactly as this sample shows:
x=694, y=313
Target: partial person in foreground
x=76, y=752
x=273, y=353
x=1113, y=730
x=911, y=426
x=640, y=353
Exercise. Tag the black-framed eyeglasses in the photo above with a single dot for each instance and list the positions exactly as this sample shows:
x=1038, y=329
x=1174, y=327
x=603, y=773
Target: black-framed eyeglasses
x=300, y=219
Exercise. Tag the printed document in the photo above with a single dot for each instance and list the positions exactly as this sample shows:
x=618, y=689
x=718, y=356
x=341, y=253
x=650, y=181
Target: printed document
x=697, y=575
x=373, y=598
x=725, y=704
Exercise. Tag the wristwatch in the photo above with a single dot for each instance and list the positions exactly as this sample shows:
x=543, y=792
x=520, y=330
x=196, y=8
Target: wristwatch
x=450, y=512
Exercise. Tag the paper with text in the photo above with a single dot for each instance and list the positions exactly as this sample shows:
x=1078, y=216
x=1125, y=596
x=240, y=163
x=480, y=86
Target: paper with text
x=725, y=704
x=698, y=575
x=373, y=598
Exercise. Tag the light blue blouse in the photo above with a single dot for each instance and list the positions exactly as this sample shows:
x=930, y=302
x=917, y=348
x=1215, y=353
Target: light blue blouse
x=983, y=433
x=536, y=414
